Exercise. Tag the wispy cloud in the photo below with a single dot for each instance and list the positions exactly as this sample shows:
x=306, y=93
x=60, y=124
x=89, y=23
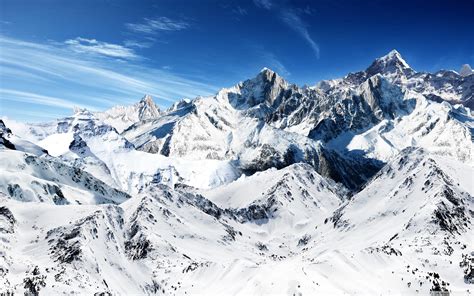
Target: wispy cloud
x=239, y=11
x=154, y=25
x=72, y=79
x=32, y=98
x=271, y=61
x=266, y=4
x=292, y=18
x=137, y=44
x=93, y=46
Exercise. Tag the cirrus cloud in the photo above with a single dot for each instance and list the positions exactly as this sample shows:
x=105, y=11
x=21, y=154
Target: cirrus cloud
x=154, y=25
x=291, y=17
x=51, y=77
x=84, y=45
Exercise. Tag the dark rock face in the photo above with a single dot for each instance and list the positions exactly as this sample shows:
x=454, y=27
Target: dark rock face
x=376, y=101
x=353, y=171
x=7, y=221
x=467, y=264
x=137, y=247
x=259, y=213
x=451, y=218
x=34, y=282
x=67, y=243
x=14, y=190
x=78, y=145
x=3, y=129
x=4, y=134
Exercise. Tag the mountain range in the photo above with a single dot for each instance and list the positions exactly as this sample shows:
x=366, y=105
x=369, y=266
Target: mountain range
x=358, y=185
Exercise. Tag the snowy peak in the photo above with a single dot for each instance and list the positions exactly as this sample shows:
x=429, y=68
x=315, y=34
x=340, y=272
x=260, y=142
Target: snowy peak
x=147, y=109
x=466, y=70
x=266, y=88
x=389, y=63
x=122, y=117
x=394, y=57
x=270, y=78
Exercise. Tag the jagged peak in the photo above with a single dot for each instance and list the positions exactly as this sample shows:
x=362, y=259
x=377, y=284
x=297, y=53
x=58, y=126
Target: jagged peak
x=147, y=108
x=393, y=57
x=466, y=70
x=81, y=111
x=148, y=99
x=179, y=104
x=268, y=74
x=267, y=70
x=391, y=63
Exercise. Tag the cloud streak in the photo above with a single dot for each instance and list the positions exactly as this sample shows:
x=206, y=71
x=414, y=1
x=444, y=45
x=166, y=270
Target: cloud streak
x=155, y=25
x=32, y=98
x=70, y=78
x=239, y=11
x=265, y=4
x=92, y=46
x=274, y=63
x=292, y=19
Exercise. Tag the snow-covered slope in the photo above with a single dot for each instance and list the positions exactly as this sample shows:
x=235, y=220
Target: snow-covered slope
x=442, y=129
x=27, y=177
x=30, y=174
x=416, y=219
x=10, y=141
x=279, y=230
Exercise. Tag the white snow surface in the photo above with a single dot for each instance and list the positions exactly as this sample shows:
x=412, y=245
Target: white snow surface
x=57, y=144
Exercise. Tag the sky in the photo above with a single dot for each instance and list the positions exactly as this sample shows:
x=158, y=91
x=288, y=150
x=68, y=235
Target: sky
x=56, y=54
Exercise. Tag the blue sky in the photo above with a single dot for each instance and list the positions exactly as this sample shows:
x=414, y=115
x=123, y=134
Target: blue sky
x=56, y=54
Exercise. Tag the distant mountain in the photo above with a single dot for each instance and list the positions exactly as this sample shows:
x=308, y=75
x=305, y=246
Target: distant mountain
x=121, y=117
x=466, y=70
x=358, y=185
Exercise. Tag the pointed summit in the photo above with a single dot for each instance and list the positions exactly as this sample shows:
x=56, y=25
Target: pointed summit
x=266, y=87
x=391, y=63
x=266, y=70
x=466, y=70
x=147, y=108
x=268, y=74
x=122, y=117
x=394, y=56
x=147, y=99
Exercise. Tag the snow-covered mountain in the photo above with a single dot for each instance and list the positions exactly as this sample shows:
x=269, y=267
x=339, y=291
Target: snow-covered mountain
x=359, y=185
x=444, y=85
x=466, y=70
x=121, y=117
